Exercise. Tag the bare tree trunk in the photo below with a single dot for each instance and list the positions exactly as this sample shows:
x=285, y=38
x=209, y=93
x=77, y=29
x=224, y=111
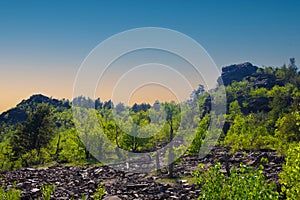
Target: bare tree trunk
x=227, y=164
x=117, y=134
x=157, y=163
x=157, y=160
x=57, y=148
x=171, y=153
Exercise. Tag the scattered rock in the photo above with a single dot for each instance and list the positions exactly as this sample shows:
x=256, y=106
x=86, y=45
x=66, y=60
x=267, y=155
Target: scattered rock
x=76, y=182
x=112, y=198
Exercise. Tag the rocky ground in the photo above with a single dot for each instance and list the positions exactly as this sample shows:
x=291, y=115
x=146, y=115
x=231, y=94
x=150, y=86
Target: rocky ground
x=78, y=181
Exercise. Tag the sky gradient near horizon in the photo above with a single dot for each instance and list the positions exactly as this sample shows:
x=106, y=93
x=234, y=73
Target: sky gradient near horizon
x=43, y=43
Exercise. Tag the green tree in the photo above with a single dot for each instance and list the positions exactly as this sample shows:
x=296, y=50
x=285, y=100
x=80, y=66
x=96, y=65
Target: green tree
x=90, y=132
x=200, y=135
x=36, y=133
x=71, y=146
x=172, y=114
x=288, y=127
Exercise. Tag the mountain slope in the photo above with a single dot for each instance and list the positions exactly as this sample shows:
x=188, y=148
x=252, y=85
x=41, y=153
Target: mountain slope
x=20, y=113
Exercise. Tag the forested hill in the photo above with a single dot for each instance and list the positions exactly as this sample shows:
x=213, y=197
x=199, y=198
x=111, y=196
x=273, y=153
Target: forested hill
x=20, y=113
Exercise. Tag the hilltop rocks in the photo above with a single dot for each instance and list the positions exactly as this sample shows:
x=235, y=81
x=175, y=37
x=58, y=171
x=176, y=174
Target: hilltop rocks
x=264, y=80
x=236, y=72
x=257, y=78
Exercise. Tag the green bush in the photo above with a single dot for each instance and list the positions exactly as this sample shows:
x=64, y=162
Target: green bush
x=47, y=191
x=248, y=132
x=12, y=194
x=100, y=192
x=290, y=176
x=243, y=183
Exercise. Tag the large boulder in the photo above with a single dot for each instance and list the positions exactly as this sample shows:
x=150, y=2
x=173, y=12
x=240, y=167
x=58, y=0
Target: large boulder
x=236, y=72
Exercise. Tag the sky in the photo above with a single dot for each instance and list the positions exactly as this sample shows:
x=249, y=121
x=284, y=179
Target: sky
x=43, y=43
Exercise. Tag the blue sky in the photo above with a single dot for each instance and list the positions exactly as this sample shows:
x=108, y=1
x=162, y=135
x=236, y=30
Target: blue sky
x=49, y=39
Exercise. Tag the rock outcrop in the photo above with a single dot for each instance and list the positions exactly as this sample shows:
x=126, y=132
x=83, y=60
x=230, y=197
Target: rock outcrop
x=236, y=72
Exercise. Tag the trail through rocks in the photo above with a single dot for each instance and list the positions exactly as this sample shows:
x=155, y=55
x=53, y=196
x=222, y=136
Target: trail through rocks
x=79, y=181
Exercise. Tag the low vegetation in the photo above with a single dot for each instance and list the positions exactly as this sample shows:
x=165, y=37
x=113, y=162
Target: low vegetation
x=241, y=183
x=11, y=194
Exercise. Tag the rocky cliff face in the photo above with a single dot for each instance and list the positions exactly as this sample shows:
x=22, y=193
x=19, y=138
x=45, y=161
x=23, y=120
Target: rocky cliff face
x=236, y=72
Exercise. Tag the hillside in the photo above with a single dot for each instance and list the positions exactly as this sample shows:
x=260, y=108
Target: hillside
x=260, y=138
x=20, y=113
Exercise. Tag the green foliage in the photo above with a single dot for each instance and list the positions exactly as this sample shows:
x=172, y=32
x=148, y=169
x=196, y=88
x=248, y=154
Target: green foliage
x=281, y=100
x=243, y=183
x=11, y=194
x=290, y=176
x=100, y=192
x=132, y=136
x=248, y=133
x=259, y=92
x=47, y=191
x=287, y=127
x=288, y=74
x=264, y=160
x=172, y=115
x=37, y=132
x=269, y=70
x=71, y=147
x=276, y=129
x=263, y=113
x=234, y=110
x=200, y=134
x=90, y=132
x=237, y=90
x=5, y=155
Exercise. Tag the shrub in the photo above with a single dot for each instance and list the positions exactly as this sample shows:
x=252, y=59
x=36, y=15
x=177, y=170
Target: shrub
x=12, y=194
x=290, y=176
x=47, y=191
x=100, y=192
x=243, y=183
